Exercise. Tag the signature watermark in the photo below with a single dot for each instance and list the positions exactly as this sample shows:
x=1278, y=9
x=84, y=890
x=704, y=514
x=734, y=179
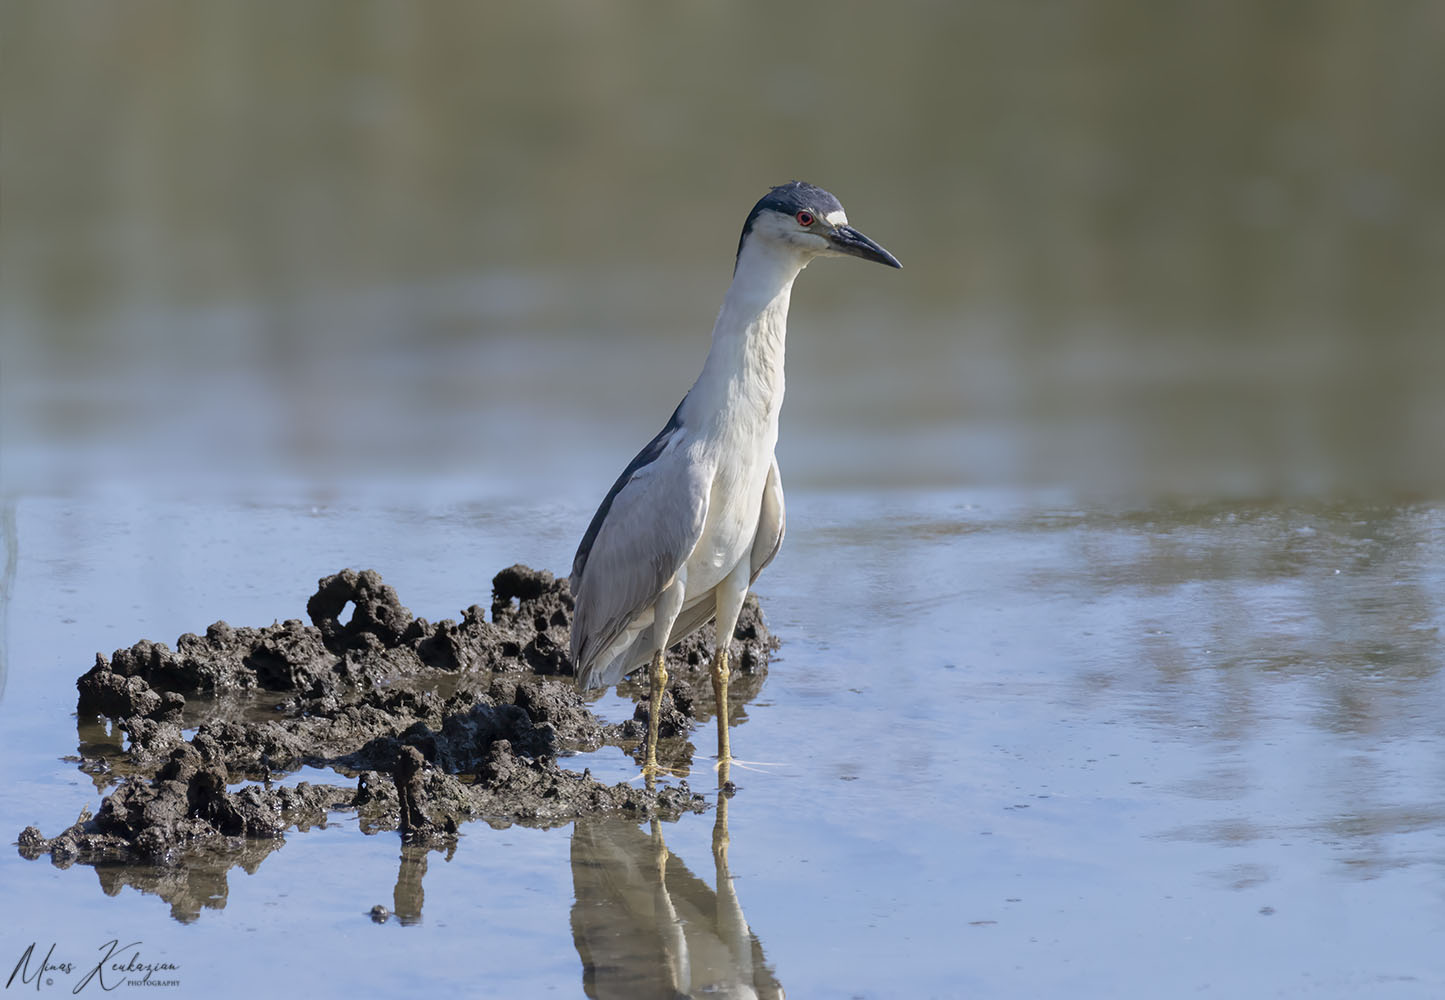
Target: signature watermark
x=119, y=965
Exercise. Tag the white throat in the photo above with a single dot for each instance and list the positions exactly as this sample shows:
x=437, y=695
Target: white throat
x=744, y=368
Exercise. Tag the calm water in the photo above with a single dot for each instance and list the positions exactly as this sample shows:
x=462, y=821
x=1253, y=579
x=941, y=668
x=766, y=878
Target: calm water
x=1014, y=746
x=290, y=287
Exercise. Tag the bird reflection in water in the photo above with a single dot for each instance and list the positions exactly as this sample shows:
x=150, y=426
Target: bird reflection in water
x=408, y=895
x=645, y=926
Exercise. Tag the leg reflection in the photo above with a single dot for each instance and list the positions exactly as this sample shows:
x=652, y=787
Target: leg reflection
x=645, y=926
x=407, y=897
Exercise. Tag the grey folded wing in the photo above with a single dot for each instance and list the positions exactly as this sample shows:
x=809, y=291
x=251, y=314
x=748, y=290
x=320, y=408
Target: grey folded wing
x=643, y=533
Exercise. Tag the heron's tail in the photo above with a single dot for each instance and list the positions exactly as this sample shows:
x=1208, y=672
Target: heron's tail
x=636, y=654
x=605, y=673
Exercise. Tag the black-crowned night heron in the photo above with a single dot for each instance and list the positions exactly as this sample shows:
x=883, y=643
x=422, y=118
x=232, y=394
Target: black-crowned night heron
x=694, y=518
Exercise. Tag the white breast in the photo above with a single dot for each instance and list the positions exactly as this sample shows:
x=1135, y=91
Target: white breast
x=733, y=504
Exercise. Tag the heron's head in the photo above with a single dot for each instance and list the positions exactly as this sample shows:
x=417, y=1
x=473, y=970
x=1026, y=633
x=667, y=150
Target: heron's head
x=809, y=222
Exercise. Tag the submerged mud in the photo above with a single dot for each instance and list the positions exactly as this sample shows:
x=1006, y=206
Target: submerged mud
x=425, y=726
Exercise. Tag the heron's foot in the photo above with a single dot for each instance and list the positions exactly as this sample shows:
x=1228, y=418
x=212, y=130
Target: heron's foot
x=651, y=769
x=648, y=779
x=756, y=766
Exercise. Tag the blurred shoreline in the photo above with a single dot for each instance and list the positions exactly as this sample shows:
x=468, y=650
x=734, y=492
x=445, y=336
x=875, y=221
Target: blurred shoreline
x=1150, y=252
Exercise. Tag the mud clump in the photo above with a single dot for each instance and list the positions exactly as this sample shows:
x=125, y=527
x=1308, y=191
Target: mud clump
x=104, y=692
x=186, y=805
x=411, y=794
x=426, y=726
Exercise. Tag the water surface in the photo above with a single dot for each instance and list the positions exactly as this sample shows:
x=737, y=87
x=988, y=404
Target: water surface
x=1011, y=746
x=291, y=287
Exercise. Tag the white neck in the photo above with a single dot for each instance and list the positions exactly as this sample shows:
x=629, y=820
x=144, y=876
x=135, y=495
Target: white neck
x=744, y=368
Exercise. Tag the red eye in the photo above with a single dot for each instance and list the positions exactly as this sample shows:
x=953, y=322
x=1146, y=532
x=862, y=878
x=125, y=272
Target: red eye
x=805, y=218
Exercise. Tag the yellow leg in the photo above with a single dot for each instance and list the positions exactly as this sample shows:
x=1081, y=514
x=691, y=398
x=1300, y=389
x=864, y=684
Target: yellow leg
x=657, y=683
x=720, y=692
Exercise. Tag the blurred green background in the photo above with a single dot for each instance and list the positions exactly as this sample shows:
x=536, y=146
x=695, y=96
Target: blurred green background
x=1150, y=248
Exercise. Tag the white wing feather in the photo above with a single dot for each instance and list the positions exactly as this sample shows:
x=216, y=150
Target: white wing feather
x=772, y=521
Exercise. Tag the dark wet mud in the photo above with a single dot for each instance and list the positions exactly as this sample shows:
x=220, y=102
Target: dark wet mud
x=426, y=726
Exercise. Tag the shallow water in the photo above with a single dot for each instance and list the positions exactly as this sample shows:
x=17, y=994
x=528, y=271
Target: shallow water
x=1013, y=746
x=286, y=288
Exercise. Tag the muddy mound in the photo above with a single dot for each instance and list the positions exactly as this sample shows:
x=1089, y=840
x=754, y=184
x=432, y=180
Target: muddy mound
x=426, y=726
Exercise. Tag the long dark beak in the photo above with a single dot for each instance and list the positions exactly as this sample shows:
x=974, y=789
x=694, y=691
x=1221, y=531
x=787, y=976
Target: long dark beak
x=847, y=240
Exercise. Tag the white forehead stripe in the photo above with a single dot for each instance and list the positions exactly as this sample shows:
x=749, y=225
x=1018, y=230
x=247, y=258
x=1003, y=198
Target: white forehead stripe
x=838, y=218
